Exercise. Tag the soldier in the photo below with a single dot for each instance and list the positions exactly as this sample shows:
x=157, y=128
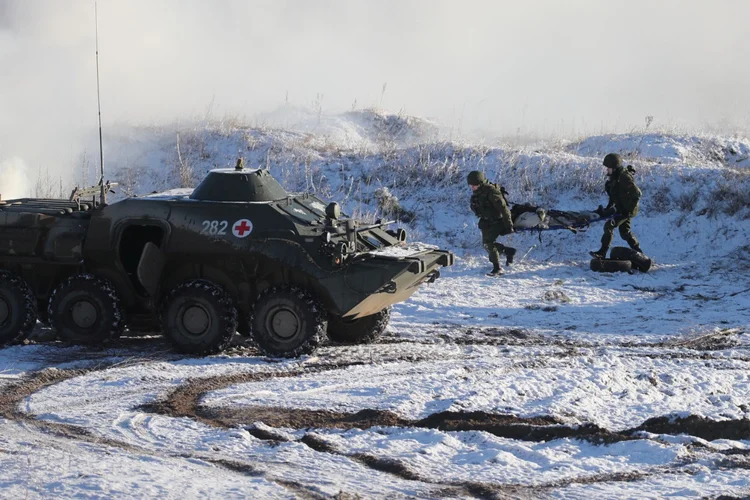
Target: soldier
x=489, y=204
x=624, y=196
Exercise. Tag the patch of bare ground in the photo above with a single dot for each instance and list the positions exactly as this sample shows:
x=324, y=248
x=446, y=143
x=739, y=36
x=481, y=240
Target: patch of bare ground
x=507, y=426
x=694, y=425
x=714, y=341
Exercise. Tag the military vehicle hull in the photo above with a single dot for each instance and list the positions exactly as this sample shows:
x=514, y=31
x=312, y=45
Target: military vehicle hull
x=237, y=253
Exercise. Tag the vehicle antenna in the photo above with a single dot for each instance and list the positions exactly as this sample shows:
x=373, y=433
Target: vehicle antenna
x=103, y=192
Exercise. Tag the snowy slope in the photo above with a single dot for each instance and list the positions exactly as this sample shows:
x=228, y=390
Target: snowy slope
x=375, y=164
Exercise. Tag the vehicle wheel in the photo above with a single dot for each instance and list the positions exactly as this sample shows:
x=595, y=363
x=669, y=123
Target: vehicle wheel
x=199, y=317
x=85, y=309
x=358, y=331
x=611, y=266
x=639, y=260
x=287, y=322
x=18, y=310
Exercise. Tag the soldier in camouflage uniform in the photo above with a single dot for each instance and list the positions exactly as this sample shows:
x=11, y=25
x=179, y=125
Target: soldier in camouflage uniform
x=489, y=204
x=624, y=196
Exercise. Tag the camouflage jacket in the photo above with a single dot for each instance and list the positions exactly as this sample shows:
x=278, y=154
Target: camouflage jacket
x=624, y=195
x=489, y=204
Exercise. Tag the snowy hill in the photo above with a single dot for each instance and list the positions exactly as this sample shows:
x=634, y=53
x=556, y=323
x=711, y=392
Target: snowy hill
x=695, y=187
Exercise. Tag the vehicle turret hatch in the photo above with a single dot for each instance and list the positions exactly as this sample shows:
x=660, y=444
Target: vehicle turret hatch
x=239, y=185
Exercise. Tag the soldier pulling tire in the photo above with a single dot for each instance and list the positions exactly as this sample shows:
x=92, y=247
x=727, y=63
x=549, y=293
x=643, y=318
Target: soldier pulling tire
x=18, y=309
x=85, y=309
x=359, y=331
x=287, y=321
x=199, y=317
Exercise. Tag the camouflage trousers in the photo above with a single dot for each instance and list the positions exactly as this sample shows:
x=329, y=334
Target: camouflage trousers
x=489, y=235
x=623, y=223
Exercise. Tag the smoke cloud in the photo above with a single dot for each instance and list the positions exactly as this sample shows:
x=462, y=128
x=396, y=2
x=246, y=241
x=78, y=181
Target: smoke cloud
x=14, y=183
x=500, y=67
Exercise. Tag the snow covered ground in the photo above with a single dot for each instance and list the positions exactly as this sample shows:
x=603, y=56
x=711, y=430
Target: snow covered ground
x=551, y=381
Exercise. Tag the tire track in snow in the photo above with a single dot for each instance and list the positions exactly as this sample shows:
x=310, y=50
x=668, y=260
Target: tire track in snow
x=13, y=395
x=185, y=402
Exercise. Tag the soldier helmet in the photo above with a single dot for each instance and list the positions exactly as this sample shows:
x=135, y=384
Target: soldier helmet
x=475, y=178
x=612, y=160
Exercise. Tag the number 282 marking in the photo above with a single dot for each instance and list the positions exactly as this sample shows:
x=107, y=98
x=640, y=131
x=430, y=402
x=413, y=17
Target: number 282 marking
x=213, y=227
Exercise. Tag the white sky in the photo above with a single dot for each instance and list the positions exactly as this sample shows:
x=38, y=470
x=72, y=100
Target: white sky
x=546, y=67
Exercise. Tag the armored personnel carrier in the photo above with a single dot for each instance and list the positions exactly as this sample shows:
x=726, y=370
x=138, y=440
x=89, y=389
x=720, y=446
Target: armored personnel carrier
x=237, y=253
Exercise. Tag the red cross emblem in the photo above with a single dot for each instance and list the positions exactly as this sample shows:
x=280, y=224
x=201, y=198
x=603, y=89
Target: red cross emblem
x=242, y=228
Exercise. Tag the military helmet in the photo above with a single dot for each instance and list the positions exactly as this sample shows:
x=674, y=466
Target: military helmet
x=612, y=160
x=475, y=178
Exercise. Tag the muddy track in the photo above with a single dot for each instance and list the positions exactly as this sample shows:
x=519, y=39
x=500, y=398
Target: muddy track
x=701, y=346
x=185, y=402
x=13, y=395
x=468, y=488
x=401, y=470
x=693, y=425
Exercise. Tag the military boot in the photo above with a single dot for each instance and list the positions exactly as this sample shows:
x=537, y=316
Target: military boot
x=496, y=271
x=509, y=254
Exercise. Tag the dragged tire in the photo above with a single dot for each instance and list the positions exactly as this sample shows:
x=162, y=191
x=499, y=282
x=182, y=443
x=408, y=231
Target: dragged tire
x=358, y=331
x=85, y=309
x=639, y=260
x=611, y=266
x=199, y=317
x=18, y=309
x=287, y=321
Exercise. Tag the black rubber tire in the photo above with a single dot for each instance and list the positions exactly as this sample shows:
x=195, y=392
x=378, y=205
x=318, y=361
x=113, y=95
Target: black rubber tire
x=306, y=320
x=639, y=260
x=18, y=309
x=98, y=306
x=359, y=331
x=204, y=302
x=611, y=266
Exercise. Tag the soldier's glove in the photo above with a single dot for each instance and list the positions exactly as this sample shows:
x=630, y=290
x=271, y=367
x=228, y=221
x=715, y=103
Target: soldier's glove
x=599, y=211
x=609, y=211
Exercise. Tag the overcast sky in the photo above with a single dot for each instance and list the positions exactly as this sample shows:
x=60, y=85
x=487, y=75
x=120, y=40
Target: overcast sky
x=563, y=67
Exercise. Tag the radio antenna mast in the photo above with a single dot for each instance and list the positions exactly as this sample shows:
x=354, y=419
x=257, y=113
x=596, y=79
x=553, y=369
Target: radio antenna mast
x=103, y=192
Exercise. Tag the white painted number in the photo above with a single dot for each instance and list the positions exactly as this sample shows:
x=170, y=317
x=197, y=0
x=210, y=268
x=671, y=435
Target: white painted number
x=214, y=227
